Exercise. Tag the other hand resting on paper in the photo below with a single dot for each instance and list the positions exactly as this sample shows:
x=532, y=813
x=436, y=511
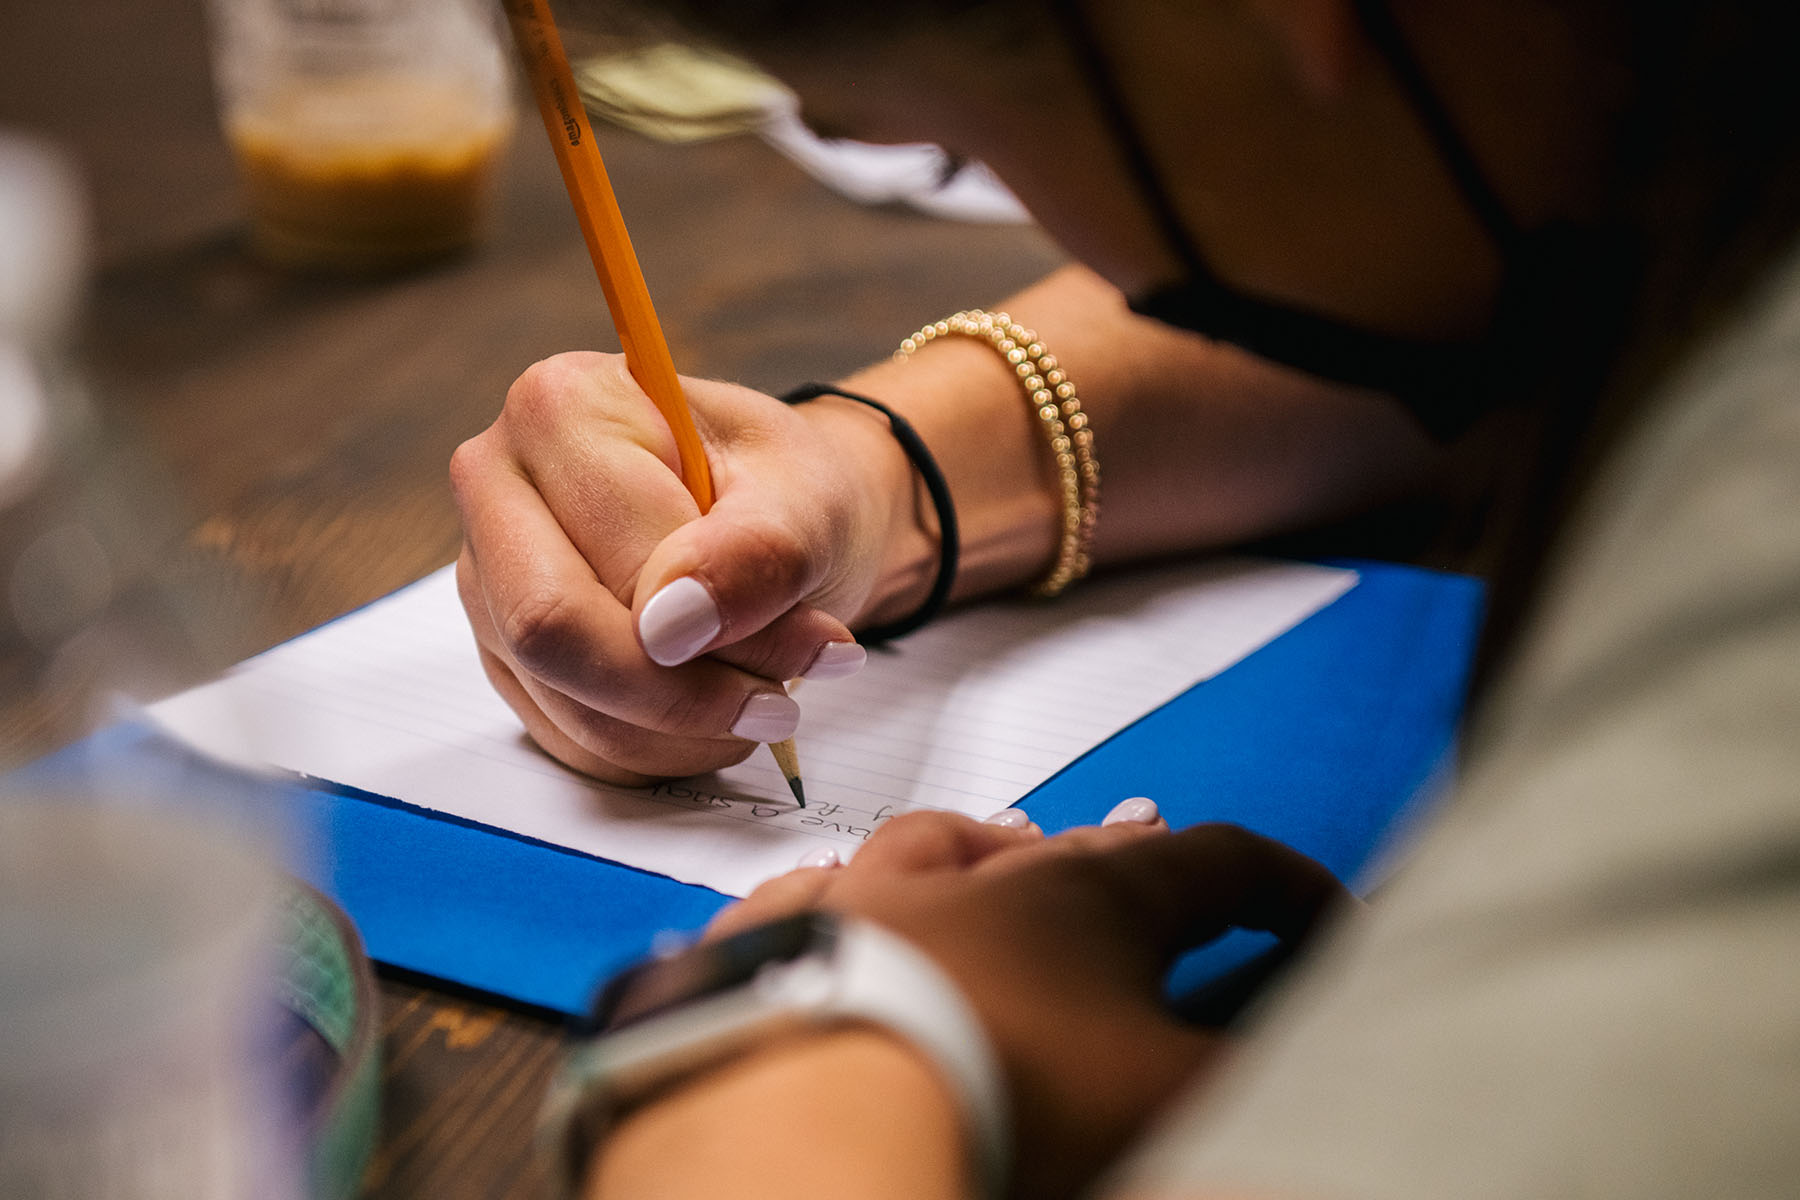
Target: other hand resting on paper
x=576, y=517
x=1060, y=944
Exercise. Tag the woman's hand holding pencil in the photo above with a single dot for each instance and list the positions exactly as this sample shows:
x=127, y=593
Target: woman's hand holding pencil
x=682, y=617
x=637, y=638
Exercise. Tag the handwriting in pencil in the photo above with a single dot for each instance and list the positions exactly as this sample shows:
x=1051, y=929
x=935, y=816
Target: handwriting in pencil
x=841, y=819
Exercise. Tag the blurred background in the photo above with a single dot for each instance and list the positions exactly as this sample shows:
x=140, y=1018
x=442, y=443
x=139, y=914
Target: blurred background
x=306, y=420
x=245, y=450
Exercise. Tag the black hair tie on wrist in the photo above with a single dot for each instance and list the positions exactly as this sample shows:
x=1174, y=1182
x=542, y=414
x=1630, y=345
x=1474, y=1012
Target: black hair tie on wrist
x=949, y=546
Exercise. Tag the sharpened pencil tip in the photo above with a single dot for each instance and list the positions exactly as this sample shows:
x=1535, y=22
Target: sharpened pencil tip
x=788, y=759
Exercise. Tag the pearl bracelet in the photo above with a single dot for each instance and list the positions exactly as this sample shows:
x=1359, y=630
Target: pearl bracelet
x=1058, y=408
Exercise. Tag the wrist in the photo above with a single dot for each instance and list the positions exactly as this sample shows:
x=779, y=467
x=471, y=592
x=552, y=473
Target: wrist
x=964, y=400
x=803, y=1115
x=685, y=1018
x=898, y=525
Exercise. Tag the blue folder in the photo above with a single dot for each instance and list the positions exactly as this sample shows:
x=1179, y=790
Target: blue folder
x=1326, y=739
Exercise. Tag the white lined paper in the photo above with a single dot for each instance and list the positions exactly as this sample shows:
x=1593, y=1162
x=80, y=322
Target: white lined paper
x=966, y=715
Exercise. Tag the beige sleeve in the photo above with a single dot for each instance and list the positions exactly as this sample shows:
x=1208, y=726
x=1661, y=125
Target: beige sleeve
x=1587, y=980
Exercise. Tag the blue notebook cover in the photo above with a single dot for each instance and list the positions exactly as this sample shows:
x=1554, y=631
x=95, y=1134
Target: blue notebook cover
x=1325, y=739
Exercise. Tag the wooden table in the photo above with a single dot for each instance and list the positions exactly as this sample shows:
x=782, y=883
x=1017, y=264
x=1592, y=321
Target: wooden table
x=305, y=423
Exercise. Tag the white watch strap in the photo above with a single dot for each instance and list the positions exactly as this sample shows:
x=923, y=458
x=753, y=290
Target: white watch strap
x=888, y=981
x=870, y=975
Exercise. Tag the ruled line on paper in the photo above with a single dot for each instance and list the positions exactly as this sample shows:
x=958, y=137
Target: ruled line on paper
x=965, y=716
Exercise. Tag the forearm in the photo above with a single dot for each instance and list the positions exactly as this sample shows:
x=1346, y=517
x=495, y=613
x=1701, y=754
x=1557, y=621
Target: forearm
x=1199, y=444
x=851, y=1115
x=855, y=1115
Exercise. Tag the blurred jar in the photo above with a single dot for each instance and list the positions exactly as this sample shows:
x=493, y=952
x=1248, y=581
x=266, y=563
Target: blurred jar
x=367, y=132
x=137, y=927
x=135, y=960
x=88, y=618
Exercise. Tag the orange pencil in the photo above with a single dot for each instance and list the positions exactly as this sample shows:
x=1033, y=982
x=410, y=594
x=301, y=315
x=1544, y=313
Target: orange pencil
x=603, y=227
x=615, y=262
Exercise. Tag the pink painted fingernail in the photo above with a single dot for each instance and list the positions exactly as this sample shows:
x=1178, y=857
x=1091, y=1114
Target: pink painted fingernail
x=767, y=717
x=824, y=856
x=1141, y=809
x=1009, y=818
x=836, y=660
x=678, y=622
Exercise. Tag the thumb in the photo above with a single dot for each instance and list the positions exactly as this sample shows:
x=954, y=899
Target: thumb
x=725, y=578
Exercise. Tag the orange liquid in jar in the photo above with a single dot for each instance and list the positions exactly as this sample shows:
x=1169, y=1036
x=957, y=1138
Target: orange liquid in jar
x=367, y=172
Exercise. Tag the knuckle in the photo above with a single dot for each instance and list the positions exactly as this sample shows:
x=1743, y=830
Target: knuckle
x=916, y=824
x=776, y=559
x=545, y=390
x=579, y=390
x=932, y=834
x=468, y=464
x=539, y=630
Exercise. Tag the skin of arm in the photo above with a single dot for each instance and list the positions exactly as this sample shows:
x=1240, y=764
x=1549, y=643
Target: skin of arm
x=1200, y=445
x=848, y=1112
x=853, y=1114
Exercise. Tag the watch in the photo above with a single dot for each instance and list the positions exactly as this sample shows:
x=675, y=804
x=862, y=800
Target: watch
x=675, y=1015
